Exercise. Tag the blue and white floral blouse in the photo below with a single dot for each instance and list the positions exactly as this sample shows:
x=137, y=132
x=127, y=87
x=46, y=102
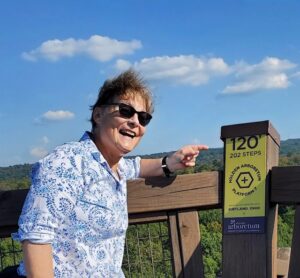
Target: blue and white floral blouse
x=76, y=204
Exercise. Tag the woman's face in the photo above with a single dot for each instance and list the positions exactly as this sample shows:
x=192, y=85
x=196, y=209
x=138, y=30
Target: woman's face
x=116, y=135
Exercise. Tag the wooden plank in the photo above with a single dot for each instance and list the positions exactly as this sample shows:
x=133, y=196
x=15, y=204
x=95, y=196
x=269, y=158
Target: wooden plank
x=286, y=185
x=244, y=256
x=11, y=203
x=142, y=218
x=294, y=269
x=144, y=196
x=189, y=234
x=6, y=231
x=179, y=192
x=271, y=210
x=177, y=264
x=283, y=261
x=249, y=129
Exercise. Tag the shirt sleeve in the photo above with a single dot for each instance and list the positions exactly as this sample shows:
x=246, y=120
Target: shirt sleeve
x=51, y=198
x=132, y=168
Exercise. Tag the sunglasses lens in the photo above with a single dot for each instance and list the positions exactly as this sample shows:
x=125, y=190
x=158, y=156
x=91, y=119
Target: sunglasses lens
x=144, y=118
x=127, y=111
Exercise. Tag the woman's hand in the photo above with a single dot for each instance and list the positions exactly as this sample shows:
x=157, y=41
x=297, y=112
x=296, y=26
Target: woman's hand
x=184, y=157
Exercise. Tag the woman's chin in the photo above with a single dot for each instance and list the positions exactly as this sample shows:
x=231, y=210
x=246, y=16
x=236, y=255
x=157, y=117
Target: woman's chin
x=126, y=146
x=125, y=149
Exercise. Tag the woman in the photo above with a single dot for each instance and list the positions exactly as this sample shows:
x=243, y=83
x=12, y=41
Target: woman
x=74, y=219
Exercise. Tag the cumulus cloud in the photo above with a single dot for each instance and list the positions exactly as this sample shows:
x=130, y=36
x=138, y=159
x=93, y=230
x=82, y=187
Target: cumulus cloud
x=45, y=140
x=183, y=69
x=54, y=116
x=38, y=152
x=59, y=115
x=270, y=73
x=96, y=47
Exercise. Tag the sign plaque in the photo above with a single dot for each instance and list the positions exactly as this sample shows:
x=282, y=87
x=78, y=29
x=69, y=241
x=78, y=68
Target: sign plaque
x=245, y=181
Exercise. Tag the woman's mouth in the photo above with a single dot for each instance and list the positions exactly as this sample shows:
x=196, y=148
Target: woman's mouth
x=128, y=133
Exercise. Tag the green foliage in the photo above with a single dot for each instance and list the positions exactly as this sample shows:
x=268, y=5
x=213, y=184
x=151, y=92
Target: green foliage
x=285, y=225
x=147, y=251
x=15, y=172
x=13, y=184
x=290, y=146
x=211, y=241
x=10, y=252
x=289, y=160
x=15, y=177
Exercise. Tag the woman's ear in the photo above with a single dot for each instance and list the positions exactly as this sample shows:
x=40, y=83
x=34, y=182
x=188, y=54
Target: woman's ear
x=97, y=114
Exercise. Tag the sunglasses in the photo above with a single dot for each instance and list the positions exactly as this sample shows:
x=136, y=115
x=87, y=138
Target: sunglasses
x=128, y=111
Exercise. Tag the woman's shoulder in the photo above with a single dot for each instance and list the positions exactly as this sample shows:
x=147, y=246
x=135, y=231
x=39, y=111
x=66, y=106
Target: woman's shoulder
x=67, y=155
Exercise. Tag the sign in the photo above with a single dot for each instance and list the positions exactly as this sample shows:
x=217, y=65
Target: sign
x=245, y=180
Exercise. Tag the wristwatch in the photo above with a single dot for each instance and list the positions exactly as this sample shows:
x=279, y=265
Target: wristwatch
x=165, y=167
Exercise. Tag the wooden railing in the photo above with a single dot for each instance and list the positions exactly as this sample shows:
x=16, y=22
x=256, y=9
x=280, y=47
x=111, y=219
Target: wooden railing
x=178, y=199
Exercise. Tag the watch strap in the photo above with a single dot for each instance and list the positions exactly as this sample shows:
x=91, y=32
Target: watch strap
x=165, y=167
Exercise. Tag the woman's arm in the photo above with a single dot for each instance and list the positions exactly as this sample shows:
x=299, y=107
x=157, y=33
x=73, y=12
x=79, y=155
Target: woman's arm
x=38, y=260
x=183, y=158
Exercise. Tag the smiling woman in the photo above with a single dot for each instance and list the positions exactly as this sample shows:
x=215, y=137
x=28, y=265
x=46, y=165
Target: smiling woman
x=74, y=219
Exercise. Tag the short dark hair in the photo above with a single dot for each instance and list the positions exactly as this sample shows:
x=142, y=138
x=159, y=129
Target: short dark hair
x=127, y=84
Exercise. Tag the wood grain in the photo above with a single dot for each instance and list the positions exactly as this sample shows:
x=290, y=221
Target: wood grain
x=294, y=269
x=180, y=192
x=286, y=185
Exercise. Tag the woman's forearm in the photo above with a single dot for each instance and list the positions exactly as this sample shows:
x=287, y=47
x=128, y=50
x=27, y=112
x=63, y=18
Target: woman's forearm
x=38, y=260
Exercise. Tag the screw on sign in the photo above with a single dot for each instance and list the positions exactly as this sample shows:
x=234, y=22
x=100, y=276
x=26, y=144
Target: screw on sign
x=244, y=180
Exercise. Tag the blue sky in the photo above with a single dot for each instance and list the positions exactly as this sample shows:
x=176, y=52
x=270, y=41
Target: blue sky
x=209, y=63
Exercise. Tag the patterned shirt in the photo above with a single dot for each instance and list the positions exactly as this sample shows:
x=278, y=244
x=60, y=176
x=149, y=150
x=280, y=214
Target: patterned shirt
x=79, y=206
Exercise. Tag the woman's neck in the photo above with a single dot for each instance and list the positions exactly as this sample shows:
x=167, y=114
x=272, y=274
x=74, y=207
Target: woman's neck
x=111, y=159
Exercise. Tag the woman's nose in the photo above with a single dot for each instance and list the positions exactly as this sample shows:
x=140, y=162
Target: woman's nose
x=134, y=120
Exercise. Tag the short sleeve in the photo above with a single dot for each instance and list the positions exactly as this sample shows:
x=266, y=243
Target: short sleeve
x=51, y=198
x=131, y=167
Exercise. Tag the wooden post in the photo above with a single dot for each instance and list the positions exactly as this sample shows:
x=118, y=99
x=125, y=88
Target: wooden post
x=249, y=220
x=294, y=269
x=175, y=246
x=185, y=244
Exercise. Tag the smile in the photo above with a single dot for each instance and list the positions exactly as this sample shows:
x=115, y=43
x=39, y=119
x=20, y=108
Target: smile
x=128, y=133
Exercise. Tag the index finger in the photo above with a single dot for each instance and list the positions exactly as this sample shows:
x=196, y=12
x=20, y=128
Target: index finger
x=200, y=147
x=193, y=149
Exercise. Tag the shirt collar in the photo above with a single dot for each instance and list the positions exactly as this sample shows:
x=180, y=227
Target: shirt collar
x=91, y=147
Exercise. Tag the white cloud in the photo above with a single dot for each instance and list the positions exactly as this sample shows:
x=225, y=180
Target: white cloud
x=123, y=65
x=38, y=152
x=97, y=47
x=58, y=115
x=267, y=81
x=183, y=69
x=270, y=73
x=45, y=140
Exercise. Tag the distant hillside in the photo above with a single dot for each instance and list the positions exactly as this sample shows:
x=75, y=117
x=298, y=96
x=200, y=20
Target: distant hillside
x=290, y=146
x=15, y=172
x=17, y=176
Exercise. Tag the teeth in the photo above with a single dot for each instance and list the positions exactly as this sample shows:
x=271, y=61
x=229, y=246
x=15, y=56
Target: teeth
x=129, y=133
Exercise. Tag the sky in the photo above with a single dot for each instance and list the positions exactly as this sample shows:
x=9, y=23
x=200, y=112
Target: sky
x=208, y=63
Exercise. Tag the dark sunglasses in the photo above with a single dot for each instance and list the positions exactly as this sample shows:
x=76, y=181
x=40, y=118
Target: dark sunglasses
x=128, y=111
